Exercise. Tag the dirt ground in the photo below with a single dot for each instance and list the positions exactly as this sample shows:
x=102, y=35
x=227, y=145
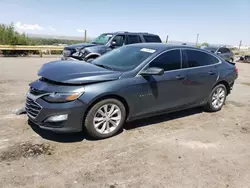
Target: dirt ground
x=191, y=148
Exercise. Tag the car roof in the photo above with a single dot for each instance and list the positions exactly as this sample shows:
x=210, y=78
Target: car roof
x=161, y=46
x=217, y=47
x=126, y=32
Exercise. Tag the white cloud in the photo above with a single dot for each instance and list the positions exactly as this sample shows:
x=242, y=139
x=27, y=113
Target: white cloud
x=80, y=30
x=52, y=28
x=21, y=26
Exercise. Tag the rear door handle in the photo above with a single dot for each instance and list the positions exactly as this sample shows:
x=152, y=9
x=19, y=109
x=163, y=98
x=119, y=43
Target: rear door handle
x=211, y=73
x=179, y=77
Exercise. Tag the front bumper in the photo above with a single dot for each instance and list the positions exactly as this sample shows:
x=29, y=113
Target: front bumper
x=75, y=111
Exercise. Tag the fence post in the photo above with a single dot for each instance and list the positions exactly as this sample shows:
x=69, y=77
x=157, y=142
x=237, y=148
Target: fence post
x=197, y=40
x=240, y=44
x=40, y=53
x=167, y=39
x=85, y=35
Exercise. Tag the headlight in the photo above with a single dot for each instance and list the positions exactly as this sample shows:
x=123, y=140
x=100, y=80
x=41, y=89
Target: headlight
x=82, y=51
x=76, y=54
x=62, y=97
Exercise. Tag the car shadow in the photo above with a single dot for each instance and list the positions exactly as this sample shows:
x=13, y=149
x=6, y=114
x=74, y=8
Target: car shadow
x=162, y=118
x=78, y=137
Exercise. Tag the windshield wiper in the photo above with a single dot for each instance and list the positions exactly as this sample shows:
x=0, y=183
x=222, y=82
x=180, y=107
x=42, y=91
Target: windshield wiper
x=103, y=66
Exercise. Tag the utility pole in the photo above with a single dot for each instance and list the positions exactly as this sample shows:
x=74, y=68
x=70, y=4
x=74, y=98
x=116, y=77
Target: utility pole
x=85, y=35
x=167, y=39
x=240, y=44
x=197, y=39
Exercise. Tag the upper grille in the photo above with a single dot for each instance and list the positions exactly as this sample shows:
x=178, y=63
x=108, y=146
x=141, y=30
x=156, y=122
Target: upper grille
x=32, y=108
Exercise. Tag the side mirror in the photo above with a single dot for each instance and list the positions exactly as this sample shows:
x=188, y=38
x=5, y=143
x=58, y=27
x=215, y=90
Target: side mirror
x=112, y=44
x=152, y=71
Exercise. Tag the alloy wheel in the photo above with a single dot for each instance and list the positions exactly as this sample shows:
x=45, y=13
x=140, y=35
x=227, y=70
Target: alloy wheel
x=218, y=97
x=107, y=118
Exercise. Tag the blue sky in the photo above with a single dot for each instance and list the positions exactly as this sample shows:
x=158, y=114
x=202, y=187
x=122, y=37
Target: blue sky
x=216, y=21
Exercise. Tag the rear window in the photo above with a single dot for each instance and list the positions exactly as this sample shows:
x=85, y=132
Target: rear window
x=210, y=49
x=151, y=38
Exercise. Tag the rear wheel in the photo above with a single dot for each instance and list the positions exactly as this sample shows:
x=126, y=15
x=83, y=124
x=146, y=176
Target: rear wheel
x=217, y=98
x=105, y=118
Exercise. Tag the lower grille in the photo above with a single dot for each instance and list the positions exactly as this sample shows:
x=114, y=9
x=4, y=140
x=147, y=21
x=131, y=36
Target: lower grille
x=32, y=108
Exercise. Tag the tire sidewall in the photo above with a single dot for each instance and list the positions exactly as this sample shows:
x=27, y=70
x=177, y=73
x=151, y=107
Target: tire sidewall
x=90, y=60
x=211, y=107
x=88, y=123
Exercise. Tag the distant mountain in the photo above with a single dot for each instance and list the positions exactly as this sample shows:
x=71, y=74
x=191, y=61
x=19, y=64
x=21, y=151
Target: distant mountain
x=30, y=35
x=82, y=38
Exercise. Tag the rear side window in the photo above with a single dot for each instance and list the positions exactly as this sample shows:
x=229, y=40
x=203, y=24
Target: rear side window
x=132, y=39
x=194, y=58
x=223, y=50
x=151, y=38
x=170, y=60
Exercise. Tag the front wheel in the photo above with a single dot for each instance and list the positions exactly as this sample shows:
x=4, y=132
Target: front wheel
x=105, y=118
x=217, y=98
x=90, y=60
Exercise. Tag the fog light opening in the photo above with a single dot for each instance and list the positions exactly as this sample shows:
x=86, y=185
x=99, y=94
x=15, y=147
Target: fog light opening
x=57, y=118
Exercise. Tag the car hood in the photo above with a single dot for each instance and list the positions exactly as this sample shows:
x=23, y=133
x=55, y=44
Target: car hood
x=80, y=45
x=76, y=72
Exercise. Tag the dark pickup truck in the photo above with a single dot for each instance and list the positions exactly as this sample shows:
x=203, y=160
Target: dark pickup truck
x=104, y=43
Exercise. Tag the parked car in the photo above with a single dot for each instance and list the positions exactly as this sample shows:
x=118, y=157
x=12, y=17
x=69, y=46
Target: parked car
x=129, y=83
x=105, y=43
x=223, y=52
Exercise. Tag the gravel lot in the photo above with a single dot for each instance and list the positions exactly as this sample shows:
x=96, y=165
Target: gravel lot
x=191, y=148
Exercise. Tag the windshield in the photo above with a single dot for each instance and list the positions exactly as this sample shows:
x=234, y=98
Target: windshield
x=210, y=49
x=102, y=39
x=124, y=58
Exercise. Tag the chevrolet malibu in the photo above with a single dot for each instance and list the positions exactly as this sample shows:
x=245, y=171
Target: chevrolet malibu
x=128, y=83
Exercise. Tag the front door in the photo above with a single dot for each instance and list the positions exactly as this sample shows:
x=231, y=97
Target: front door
x=162, y=92
x=119, y=41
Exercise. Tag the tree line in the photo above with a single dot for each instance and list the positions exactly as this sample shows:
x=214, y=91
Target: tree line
x=9, y=36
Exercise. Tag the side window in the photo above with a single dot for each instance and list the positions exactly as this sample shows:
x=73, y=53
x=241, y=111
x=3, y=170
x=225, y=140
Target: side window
x=170, y=60
x=119, y=39
x=133, y=39
x=222, y=50
x=151, y=38
x=196, y=58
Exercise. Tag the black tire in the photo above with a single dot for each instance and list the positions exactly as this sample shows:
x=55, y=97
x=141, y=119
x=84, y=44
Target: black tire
x=88, y=123
x=209, y=106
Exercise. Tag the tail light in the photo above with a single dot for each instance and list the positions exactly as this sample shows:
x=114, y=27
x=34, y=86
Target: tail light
x=236, y=70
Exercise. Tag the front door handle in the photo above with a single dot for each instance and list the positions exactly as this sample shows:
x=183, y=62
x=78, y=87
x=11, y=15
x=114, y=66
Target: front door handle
x=211, y=73
x=179, y=77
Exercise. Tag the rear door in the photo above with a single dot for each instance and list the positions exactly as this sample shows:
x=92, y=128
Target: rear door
x=224, y=53
x=133, y=39
x=202, y=73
